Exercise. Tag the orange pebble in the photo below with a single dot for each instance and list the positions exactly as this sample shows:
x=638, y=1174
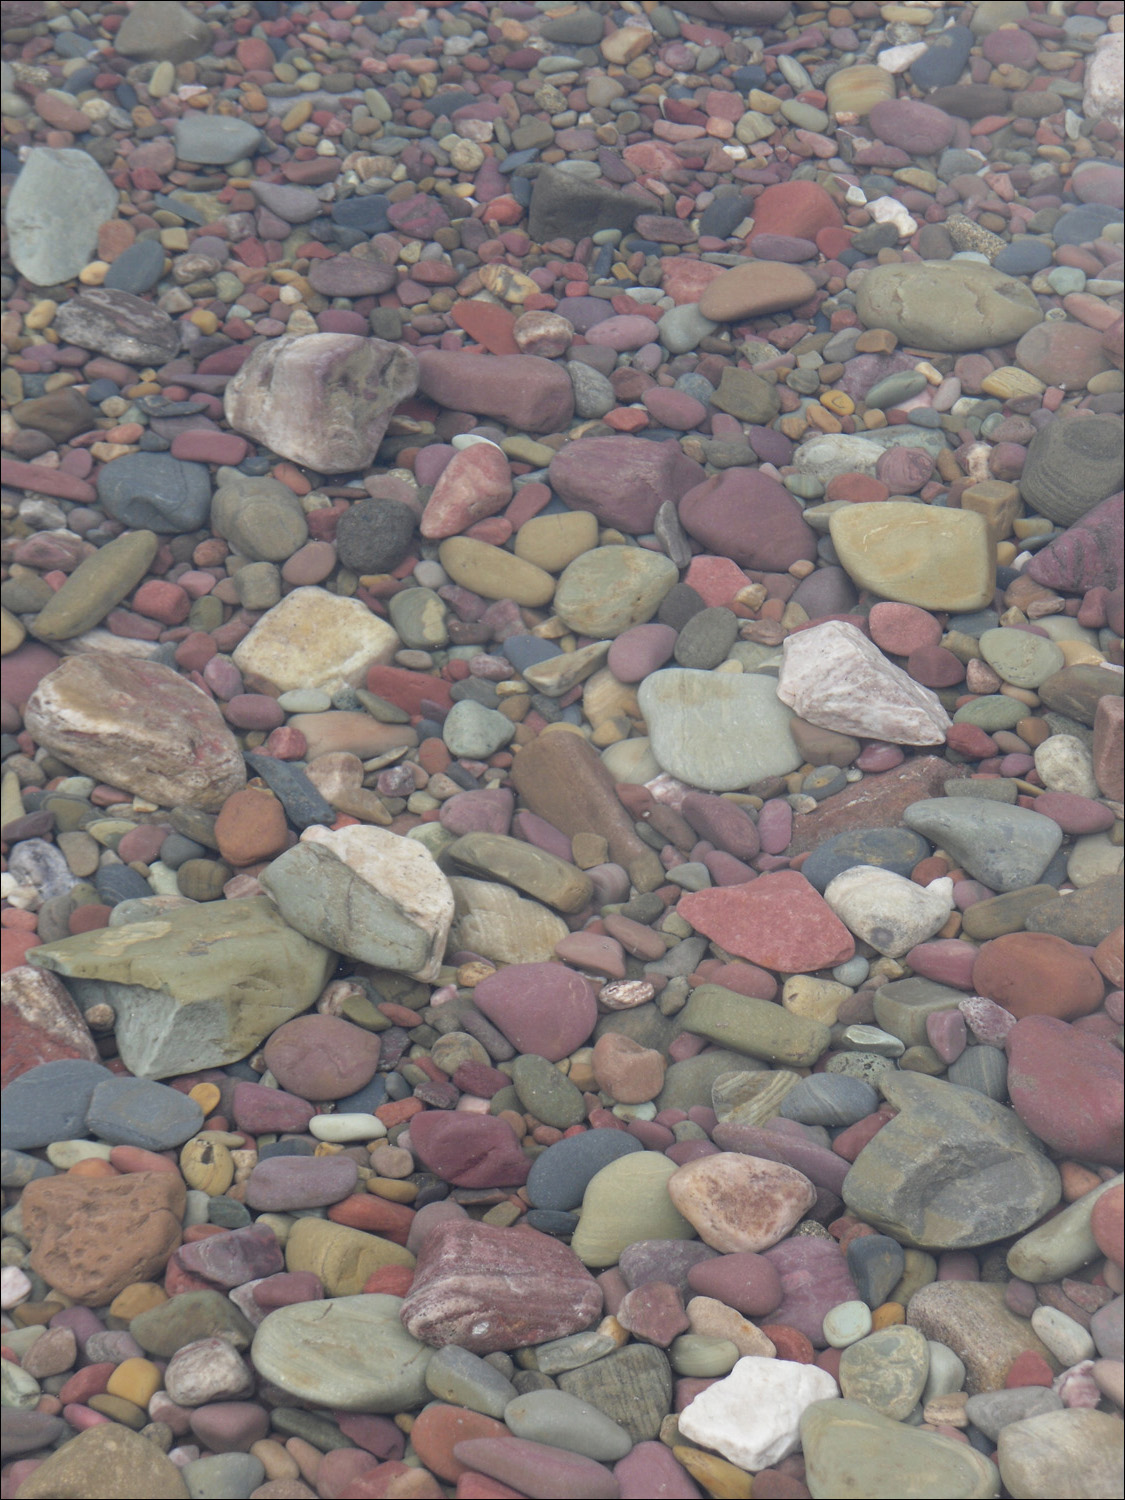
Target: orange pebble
x=392, y=1281
x=887, y=1315
x=1077, y=1180
x=93, y=1166
x=135, y=1159
x=207, y=1096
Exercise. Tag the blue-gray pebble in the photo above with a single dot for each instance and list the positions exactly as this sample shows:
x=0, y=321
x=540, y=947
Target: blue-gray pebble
x=139, y=1112
x=49, y=1103
x=155, y=492
x=829, y=1099
x=559, y=1176
x=894, y=849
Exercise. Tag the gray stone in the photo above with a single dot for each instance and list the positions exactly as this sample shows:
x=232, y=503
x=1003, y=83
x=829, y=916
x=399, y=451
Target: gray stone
x=260, y=517
x=1072, y=465
x=476, y=732
x=138, y=1112
x=223, y=1476
x=829, y=1099
x=952, y=1170
x=565, y=1421
x=215, y=140
x=49, y=1103
x=992, y=1411
x=1062, y=1453
x=155, y=31
x=565, y=204
x=1005, y=848
x=195, y=987
x=717, y=731
x=59, y=201
x=118, y=325
x=136, y=269
x=155, y=492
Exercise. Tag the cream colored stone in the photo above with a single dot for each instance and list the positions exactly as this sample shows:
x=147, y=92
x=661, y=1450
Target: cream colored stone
x=914, y=554
x=316, y=639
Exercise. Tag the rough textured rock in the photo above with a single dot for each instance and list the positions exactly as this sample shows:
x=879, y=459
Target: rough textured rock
x=486, y=1288
x=563, y=204
x=315, y=639
x=137, y=725
x=321, y=399
x=752, y=1417
x=119, y=325
x=91, y=1238
x=740, y=1202
x=41, y=1023
x=947, y=305
x=106, y=1462
x=198, y=986
x=834, y=676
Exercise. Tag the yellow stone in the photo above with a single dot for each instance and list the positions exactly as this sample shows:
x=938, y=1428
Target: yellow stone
x=623, y=46
x=207, y=1096
x=1009, y=381
x=821, y=418
x=723, y=1480
x=342, y=1257
x=998, y=502
x=204, y=320
x=41, y=315
x=1006, y=554
x=914, y=554
x=118, y=1409
x=207, y=1165
x=392, y=1189
x=887, y=1315
x=550, y=542
x=857, y=90
x=12, y=631
x=174, y=238
x=163, y=79
x=507, y=283
x=494, y=573
x=136, y=1380
x=94, y=273
x=136, y=1299
x=816, y=999
x=1080, y=653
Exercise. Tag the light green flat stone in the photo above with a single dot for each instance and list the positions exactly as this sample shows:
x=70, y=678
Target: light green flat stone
x=627, y=1201
x=350, y=1353
x=854, y=1453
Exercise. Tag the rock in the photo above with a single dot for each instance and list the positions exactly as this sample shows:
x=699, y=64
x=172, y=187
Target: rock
x=972, y=1319
x=494, y=573
x=814, y=1279
x=138, y=268
x=477, y=482
x=92, y=1237
x=1072, y=465
x=137, y=1112
x=1036, y=973
x=373, y=536
x=534, y=1467
x=41, y=1024
x=778, y=921
x=936, y=559
x=532, y=871
x=525, y=391
x=979, y=307
x=260, y=517
x=214, y=140
x=886, y=1370
x=370, y=893
x=341, y=1258
x=559, y=1175
x=315, y=639
x=155, y=491
x=622, y=480
x=1066, y=1086
x=543, y=1008
x=348, y=1353
x=1005, y=848
x=140, y=726
x=631, y=1386
x=608, y=590
x=563, y=1421
x=1020, y=659
x=321, y=399
x=60, y=200
x=1088, y=553
x=718, y=731
x=154, y=31
x=754, y=288
x=565, y=204
x=107, y=1461
x=851, y=1449
x=1102, y=97
x=118, y=325
x=750, y=518
x=486, y=1288
x=49, y=1102
x=752, y=1416
x=492, y=921
x=624, y=1202
x=1059, y=1452
x=740, y=1202
x=198, y=986
x=322, y=1057
x=888, y=911
x=479, y=1151
x=799, y=208
x=351, y=276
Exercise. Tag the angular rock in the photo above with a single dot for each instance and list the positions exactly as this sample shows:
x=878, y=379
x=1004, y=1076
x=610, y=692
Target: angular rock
x=740, y=1202
x=1005, y=848
x=316, y=639
x=622, y=480
x=321, y=399
x=525, y=391
x=59, y=201
x=198, y=986
x=137, y=725
x=155, y=31
x=477, y=482
x=118, y=325
x=41, y=1023
x=486, y=1288
x=832, y=675
x=366, y=892
x=564, y=204
x=952, y=1170
x=92, y=1237
x=947, y=305
x=778, y=920
x=752, y=1416
x=1087, y=555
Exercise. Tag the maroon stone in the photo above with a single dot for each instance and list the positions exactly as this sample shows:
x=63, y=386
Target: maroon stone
x=622, y=480
x=650, y=1469
x=814, y=1279
x=1087, y=555
x=230, y=1259
x=1067, y=1086
x=722, y=823
x=322, y=1057
x=526, y=392
x=470, y=1151
x=747, y=1282
x=260, y=1110
x=745, y=515
x=544, y=1008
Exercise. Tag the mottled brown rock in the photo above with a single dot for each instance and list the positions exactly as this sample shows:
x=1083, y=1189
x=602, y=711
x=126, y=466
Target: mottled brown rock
x=486, y=1288
x=970, y=1317
x=140, y=726
x=738, y=1202
x=41, y=1023
x=107, y=1462
x=561, y=778
x=876, y=801
x=92, y=1237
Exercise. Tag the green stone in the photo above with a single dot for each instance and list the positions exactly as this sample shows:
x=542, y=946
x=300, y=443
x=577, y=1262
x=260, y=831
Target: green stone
x=855, y=1453
x=96, y=586
x=758, y=1027
x=886, y=1370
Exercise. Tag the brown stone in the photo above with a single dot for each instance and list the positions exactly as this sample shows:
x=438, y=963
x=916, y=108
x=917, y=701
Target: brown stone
x=92, y=1237
x=755, y=288
x=628, y=1072
x=251, y=827
x=107, y=1462
x=41, y=1023
x=738, y=1203
x=971, y=1318
x=875, y=802
x=137, y=725
x=1109, y=747
x=1038, y=974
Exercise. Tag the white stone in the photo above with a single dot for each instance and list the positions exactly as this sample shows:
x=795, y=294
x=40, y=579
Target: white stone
x=15, y=1287
x=1067, y=1340
x=888, y=911
x=1104, y=97
x=835, y=677
x=898, y=59
x=207, y=1370
x=314, y=639
x=891, y=211
x=751, y=1416
x=346, y=1127
x=1065, y=765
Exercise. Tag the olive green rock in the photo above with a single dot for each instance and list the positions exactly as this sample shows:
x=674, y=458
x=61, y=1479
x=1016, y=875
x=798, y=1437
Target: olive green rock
x=903, y=1006
x=854, y=1453
x=542, y=876
x=494, y=573
x=196, y=987
x=947, y=305
x=1075, y=691
x=952, y=1170
x=886, y=1370
x=107, y=1462
x=96, y=586
x=342, y=1257
x=625, y=1202
x=347, y=1353
x=1072, y=465
x=1061, y=1246
x=610, y=589
x=917, y=554
x=758, y=1027
x=164, y=1329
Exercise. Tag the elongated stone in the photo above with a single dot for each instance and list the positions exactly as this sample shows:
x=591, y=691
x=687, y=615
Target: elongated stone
x=755, y=1026
x=95, y=586
x=852, y=1450
x=532, y=871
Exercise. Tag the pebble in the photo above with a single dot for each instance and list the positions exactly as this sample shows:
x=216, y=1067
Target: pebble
x=418, y=640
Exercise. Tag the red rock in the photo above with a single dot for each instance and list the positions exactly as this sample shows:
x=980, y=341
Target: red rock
x=935, y=667
x=745, y=1281
x=625, y=1070
x=251, y=827
x=722, y=823
x=229, y=1259
x=622, y=480
x=538, y=1469
x=543, y=1008
x=1067, y=1087
x=970, y=741
x=24, y=669
x=1107, y=1223
x=745, y=515
x=260, y=1110
x=253, y=711
x=779, y=921
x=322, y=1057
x=41, y=1021
x=649, y=1470
x=158, y=599
x=470, y=1151
x=797, y=208
x=477, y=482
x=526, y=392
x=878, y=801
x=1109, y=746
x=1028, y=1368
x=56, y=482
x=438, y=1428
x=1074, y=814
x=945, y=960
x=408, y=690
x=814, y=1279
x=375, y=1215
x=653, y=1312
x=210, y=447
x=915, y=127
x=486, y=1288
x=1038, y=974
x=14, y=948
x=900, y=629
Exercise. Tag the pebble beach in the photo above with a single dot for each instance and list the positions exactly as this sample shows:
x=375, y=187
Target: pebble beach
x=562, y=794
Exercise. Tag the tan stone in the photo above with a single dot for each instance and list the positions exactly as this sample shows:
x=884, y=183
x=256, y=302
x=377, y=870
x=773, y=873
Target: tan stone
x=92, y=1237
x=494, y=573
x=971, y=1318
x=935, y=558
x=740, y=1202
x=107, y=1462
x=532, y=871
x=550, y=542
x=495, y=922
x=755, y=288
x=711, y=1318
x=342, y=1257
x=316, y=639
x=998, y=502
x=251, y=827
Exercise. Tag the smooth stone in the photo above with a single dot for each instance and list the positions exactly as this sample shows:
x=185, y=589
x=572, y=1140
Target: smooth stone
x=740, y=1203
x=627, y=1200
x=852, y=1450
x=1071, y=466
x=532, y=871
x=1065, y=1084
x=847, y=1323
x=829, y=1099
x=59, y=201
x=137, y=1112
x=718, y=731
x=474, y=732
x=631, y=1386
x=464, y=1379
x=752, y=1416
x=560, y=1174
x=876, y=1261
x=118, y=325
x=1056, y=1451
x=155, y=491
x=609, y=590
x=1005, y=848
x=563, y=1421
x=622, y=480
x=1064, y=1244
x=915, y=554
x=261, y=518
x=889, y=911
x=547, y=1093
x=903, y=1181
x=97, y=584
x=106, y=1461
x=973, y=1320
x=49, y=1102
x=979, y=307
x=493, y=921
x=894, y=849
x=814, y=1279
x=1021, y=659
x=887, y=1371
x=350, y=1353
x=992, y=1411
x=494, y=573
x=214, y=140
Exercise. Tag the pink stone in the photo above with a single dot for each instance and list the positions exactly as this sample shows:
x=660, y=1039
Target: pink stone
x=163, y=601
x=476, y=482
x=900, y=629
x=918, y=128
x=322, y=1057
x=478, y=812
x=623, y=333
x=822, y=1167
x=542, y=1008
x=637, y=652
x=1066, y=1085
x=672, y=408
x=1075, y=815
x=654, y=1313
x=944, y=960
x=745, y=515
x=715, y=579
x=739, y=1203
x=814, y=1279
x=779, y=921
x=486, y=1288
x=622, y=480
x=650, y=1469
x=230, y=1259
x=775, y=826
x=904, y=470
x=1088, y=554
x=536, y=1468
x=210, y=447
x=595, y=952
x=286, y=1288
x=254, y=711
x=528, y=393
x=745, y=1281
x=947, y=1034
x=472, y=1151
